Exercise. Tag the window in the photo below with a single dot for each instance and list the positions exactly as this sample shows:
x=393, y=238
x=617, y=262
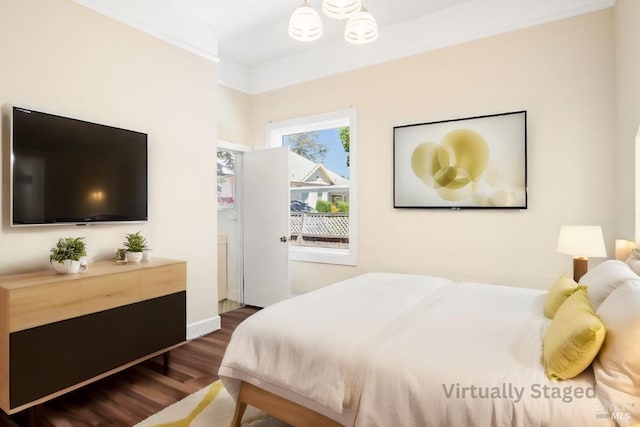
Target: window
x=322, y=184
x=226, y=179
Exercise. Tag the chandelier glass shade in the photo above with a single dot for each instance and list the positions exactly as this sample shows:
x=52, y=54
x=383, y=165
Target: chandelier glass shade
x=361, y=28
x=341, y=9
x=305, y=24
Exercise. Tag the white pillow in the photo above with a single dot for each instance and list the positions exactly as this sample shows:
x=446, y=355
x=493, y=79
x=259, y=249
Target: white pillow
x=617, y=367
x=605, y=278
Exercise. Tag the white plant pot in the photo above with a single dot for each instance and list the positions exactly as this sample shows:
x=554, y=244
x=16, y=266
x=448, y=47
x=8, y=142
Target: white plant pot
x=134, y=257
x=84, y=264
x=67, y=266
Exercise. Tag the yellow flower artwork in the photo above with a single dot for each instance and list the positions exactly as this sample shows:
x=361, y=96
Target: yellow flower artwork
x=475, y=162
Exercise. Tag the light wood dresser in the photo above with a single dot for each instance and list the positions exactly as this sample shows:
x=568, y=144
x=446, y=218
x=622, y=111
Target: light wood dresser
x=60, y=332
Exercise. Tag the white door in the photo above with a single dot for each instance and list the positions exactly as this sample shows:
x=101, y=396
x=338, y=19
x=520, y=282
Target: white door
x=266, y=226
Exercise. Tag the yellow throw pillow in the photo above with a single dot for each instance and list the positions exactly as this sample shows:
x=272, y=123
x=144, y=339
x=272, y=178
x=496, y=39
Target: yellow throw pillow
x=559, y=292
x=573, y=337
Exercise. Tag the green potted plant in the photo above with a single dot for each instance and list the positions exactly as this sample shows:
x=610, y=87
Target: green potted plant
x=67, y=254
x=135, y=244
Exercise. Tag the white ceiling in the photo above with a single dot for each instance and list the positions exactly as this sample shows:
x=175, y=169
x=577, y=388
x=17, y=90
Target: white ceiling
x=249, y=37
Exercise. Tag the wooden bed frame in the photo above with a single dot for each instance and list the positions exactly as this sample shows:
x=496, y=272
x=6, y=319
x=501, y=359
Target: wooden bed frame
x=279, y=407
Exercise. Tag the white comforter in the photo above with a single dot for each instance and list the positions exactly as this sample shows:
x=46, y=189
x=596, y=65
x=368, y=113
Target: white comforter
x=402, y=350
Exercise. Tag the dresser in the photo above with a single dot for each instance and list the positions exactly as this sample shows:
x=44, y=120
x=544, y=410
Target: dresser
x=60, y=332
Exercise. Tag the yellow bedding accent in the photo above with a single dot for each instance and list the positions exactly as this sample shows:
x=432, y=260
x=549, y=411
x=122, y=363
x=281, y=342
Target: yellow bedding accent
x=573, y=338
x=559, y=292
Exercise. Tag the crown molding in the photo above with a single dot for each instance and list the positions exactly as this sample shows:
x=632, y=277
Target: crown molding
x=465, y=22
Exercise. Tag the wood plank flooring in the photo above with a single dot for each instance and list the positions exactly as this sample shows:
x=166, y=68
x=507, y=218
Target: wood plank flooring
x=132, y=395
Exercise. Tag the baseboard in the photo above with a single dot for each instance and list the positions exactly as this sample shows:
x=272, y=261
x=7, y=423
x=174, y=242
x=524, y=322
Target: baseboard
x=203, y=327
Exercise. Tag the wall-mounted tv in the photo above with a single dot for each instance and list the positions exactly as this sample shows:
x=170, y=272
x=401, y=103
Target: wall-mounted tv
x=69, y=171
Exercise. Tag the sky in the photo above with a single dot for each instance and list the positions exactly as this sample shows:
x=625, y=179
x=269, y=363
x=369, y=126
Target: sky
x=336, y=159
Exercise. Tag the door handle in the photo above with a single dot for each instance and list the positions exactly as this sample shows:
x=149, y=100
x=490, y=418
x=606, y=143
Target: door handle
x=283, y=239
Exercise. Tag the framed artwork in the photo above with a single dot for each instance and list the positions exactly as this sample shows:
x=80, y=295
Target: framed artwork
x=473, y=162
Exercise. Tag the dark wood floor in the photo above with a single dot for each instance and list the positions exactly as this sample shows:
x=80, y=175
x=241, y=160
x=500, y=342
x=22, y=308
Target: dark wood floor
x=132, y=395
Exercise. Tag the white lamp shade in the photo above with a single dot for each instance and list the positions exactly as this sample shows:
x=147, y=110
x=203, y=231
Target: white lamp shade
x=581, y=241
x=341, y=9
x=624, y=249
x=361, y=28
x=305, y=24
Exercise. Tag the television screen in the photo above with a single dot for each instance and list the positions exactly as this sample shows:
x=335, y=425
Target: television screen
x=66, y=170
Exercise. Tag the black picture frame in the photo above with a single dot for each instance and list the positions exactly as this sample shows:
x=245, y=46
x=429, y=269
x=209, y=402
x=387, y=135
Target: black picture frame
x=475, y=162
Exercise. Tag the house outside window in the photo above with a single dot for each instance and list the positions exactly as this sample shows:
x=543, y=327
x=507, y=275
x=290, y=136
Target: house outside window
x=226, y=179
x=322, y=185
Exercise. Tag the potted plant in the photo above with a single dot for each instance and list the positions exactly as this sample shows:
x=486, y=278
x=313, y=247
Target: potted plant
x=65, y=257
x=135, y=244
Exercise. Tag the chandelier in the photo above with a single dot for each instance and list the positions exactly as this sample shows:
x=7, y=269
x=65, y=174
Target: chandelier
x=361, y=28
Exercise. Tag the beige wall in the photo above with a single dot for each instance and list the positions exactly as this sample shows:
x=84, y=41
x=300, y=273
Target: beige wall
x=562, y=73
x=60, y=57
x=234, y=110
x=627, y=42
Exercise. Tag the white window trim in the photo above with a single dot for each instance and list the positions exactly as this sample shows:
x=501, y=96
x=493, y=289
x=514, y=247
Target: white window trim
x=273, y=138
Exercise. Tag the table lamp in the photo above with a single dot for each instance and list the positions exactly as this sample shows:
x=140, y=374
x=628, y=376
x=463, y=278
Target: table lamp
x=624, y=249
x=581, y=241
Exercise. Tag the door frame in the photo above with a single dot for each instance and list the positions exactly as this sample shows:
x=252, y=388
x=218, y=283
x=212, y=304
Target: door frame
x=233, y=147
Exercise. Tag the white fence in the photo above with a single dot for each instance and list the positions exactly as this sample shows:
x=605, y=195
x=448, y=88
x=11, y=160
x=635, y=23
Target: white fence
x=319, y=225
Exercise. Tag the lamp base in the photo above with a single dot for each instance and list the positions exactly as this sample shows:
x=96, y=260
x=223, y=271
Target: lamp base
x=580, y=267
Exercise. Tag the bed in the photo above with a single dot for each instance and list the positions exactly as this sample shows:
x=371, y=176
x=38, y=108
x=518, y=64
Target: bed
x=387, y=349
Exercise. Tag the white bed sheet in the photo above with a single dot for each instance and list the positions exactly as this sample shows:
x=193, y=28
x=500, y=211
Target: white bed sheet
x=387, y=349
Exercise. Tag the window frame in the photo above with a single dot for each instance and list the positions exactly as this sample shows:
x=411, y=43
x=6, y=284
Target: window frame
x=274, y=134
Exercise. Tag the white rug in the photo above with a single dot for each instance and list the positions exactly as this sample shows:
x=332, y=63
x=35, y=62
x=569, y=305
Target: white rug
x=212, y=406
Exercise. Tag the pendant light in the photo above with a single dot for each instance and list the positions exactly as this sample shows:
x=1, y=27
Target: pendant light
x=305, y=24
x=361, y=28
x=341, y=9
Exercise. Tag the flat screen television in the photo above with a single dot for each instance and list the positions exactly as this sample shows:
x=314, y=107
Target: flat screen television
x=69, y=171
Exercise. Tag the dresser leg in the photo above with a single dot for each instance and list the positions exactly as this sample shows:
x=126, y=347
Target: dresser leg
x=35, y=416
x=166, y=359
